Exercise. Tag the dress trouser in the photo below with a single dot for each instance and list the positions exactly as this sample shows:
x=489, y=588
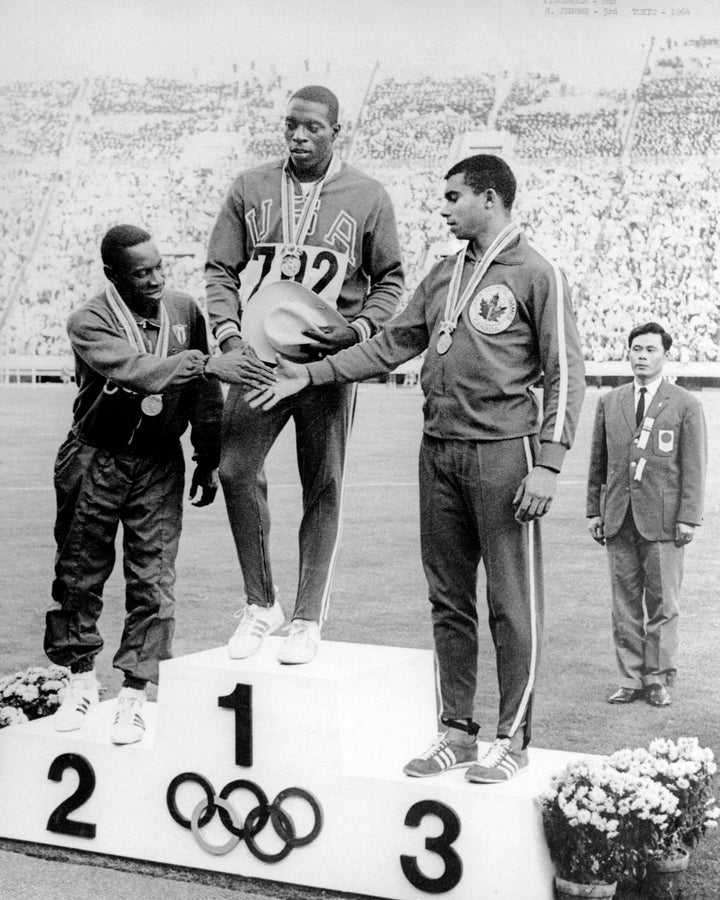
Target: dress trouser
x=323, y=419
x=467, y=515
x=645, y=577
x=96, y=491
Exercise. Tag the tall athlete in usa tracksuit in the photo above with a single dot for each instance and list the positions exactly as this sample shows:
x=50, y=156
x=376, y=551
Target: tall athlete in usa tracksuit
x=315, y=220
x=495, y=320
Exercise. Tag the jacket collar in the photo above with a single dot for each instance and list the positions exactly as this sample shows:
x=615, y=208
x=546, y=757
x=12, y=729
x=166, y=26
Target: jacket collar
x=513, y=255
x=654, y=409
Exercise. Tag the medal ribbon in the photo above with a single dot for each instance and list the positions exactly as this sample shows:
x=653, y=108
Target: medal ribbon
x=455, y=303
x=294, y=233
x=122, y=313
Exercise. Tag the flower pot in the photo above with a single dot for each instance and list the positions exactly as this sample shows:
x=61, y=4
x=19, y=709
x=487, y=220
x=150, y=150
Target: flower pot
x=665, y=876
x=566, y=889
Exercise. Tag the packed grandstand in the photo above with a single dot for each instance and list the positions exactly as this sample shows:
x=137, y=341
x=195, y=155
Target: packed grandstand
x=622, y=187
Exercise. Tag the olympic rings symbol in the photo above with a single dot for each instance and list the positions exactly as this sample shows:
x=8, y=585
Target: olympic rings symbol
x=255, y=820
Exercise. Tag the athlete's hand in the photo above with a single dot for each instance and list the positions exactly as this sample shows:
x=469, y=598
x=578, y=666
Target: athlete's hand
x=332, y=338
x=242, y=366
x=534, y=496
x=684, y=533
x=596, y=527
x=291, y=378
x=206, y=480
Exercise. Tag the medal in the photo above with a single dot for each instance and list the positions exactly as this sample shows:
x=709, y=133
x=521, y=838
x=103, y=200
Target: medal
x=444, y=342
x=455, y=301
x=290, y=262
x=152, y=404
x=296, y=225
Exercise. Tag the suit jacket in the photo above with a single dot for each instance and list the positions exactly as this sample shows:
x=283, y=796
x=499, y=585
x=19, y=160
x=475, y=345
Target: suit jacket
x=669, y=486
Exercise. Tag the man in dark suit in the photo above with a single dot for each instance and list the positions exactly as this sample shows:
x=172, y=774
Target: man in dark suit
x=644, y=500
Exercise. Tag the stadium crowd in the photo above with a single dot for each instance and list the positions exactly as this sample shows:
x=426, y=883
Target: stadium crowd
x=418, y=119
x=680, y=116
x=34, y=117
x=637, y=236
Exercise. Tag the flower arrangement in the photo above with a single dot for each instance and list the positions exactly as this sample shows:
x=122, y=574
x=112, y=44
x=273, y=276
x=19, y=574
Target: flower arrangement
x=600, y=821
x=31, y=694
x=686, y=769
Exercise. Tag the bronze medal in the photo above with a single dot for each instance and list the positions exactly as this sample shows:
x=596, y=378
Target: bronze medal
x=152, y=404
x=443, y=342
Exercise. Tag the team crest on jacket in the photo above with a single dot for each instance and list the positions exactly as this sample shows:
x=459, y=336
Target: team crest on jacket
x=493, y=309
x=666, y=441
x=180, y=332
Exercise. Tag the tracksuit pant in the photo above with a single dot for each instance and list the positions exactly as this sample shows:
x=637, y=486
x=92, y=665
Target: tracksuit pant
x=96, y=491
x=467, y=515
x=323, y=419
x=645, y=577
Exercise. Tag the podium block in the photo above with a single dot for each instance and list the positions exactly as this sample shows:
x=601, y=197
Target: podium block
x=286, y=773
x=329, y=716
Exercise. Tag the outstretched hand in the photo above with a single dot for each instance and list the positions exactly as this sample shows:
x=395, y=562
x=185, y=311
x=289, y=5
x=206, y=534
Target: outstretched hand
x=534, y=496
x=290, y=378
x=242, y=366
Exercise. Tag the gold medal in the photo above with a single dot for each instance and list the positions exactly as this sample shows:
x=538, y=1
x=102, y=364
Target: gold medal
x=290, y=262
x=152, y=404
x=444, y=342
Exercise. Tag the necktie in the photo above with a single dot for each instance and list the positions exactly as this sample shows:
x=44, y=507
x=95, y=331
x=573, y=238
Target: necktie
x=640, y=411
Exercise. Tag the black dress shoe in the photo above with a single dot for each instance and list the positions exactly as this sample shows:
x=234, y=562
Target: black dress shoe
x=657, y=695
x=625, y=695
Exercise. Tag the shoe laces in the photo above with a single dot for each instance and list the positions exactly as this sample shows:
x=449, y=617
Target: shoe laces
x=127, y=707
x=302, y=631
x=440, y=743
x=499, y=748
x=248, y=617
x=76, y=691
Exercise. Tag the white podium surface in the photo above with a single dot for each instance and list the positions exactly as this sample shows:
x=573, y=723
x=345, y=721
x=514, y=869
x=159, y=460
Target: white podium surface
x=301, y=768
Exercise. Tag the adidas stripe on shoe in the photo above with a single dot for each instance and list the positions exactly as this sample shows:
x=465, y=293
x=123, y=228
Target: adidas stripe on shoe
x=129, y=726
x=79, y=698
x=440, y=756
x=256, y=623
x=499, y=764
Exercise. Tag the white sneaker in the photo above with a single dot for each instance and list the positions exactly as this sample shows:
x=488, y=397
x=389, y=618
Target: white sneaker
x=79, y=697
x=301, y=644
x=128, y=727
x=256, y=623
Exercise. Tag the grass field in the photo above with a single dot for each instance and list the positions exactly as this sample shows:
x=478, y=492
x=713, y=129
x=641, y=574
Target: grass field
x=379, y=594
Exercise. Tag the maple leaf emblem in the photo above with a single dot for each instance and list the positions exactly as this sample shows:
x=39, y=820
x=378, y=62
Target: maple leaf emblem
x=492, y=308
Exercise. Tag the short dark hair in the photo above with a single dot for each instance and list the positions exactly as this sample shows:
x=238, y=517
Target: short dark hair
x=316, y=93
x=651, y=328
x=485, y=171
x=119, y=238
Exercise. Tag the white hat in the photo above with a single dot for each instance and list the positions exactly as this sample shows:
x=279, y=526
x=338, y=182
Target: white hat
x=275, y=318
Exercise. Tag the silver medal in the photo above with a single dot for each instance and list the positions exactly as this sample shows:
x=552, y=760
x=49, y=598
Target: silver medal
x=152, y=404
x=443, y=342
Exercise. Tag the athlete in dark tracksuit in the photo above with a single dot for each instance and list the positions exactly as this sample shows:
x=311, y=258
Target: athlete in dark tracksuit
x=119, y=464
x=340, y=226
x=493, y=321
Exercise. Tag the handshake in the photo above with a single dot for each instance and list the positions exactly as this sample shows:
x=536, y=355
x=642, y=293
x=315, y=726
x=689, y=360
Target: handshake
x=290, y=378
x=267, y=384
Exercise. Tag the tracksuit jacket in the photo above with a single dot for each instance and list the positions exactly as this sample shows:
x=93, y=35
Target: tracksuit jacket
x=111, y=419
